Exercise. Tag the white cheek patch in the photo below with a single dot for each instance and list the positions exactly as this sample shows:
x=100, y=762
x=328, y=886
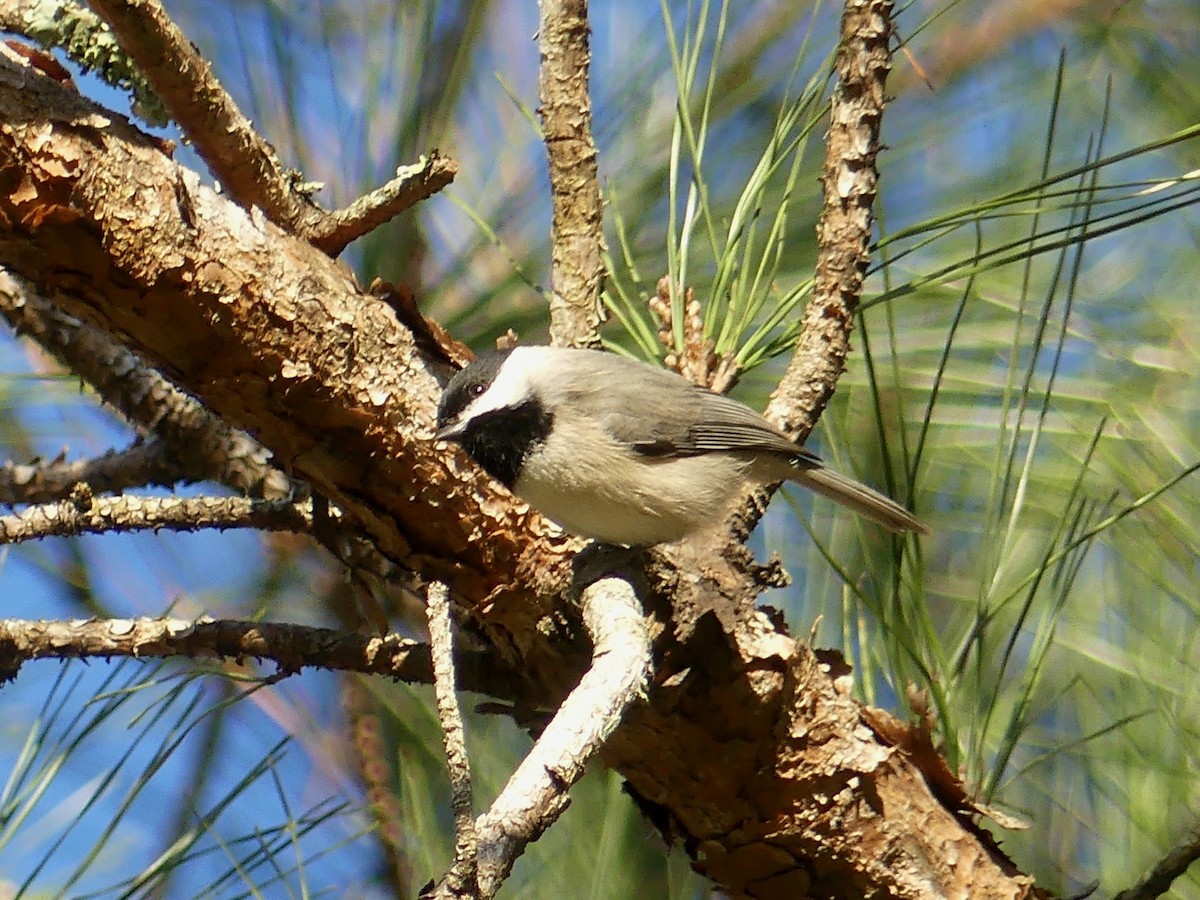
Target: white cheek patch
x=511, y=388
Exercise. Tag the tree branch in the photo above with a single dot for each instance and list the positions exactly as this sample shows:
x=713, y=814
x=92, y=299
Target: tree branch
x=276, y=337
x=239, y=158
x=848, y=181
x=292, y=647
x=199, y=444
x=576, y=231
x=245, y=164
x=89, y=42
x=411, y=185
x=193, y=443
x=267, y=331
x=87, y=514
x=536, y=794
x=143, y=463
x=461, y=880
x=1158, y=880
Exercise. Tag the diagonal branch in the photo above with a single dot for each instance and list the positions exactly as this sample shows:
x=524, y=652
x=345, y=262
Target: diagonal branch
x=86, y=40
x=536, y=794
x=277, y=337
x=239, y=158
x=411, y=185
x=192, y=443
x=265, y=330
x=199, y=444
x=576, y=231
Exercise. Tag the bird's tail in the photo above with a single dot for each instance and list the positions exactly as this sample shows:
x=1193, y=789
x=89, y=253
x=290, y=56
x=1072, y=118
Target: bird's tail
x=860, y=498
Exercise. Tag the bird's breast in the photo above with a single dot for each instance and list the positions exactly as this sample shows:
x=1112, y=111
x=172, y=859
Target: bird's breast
x=614, y=495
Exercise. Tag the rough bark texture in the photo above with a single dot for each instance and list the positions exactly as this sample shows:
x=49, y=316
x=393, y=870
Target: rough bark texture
x=244, y=163
x=291, y=647
x=848, y=180
x=577, y=269
x=84, y=513
x=264, y=331
x=748, y=747
x=194, y=442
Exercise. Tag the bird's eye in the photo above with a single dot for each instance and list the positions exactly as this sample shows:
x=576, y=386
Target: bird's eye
x=476, y=389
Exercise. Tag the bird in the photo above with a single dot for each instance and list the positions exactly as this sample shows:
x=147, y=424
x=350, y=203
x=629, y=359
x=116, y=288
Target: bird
x=624, y=452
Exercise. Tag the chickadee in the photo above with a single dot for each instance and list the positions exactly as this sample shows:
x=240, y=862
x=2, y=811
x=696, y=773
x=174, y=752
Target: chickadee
x=626, y=453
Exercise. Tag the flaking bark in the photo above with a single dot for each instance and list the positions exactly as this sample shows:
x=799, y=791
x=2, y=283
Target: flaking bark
x=749, y=746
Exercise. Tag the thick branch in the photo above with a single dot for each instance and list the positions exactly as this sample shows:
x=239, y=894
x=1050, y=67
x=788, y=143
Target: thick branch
x=198, y=445
x=239, y=158
x=277, y=338
x=271, y=334
x=191, y=444
x=848, y=180
x=576, y=231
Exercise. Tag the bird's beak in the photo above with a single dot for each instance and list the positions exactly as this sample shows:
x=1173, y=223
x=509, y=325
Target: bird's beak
x=451, y=432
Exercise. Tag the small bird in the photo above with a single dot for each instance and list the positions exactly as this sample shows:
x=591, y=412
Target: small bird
x=624, y=452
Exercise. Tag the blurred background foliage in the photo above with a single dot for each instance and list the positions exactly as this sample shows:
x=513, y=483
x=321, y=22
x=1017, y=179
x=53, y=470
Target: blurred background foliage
x=1025, y=373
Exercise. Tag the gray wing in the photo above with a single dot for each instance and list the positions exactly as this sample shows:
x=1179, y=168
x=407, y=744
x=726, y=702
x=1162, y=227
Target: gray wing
x=677, y=418
x=659, y=413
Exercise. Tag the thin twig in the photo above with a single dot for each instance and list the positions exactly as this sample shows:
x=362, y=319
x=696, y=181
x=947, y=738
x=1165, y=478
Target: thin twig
x=1158, y=880
x=142, y=463
x=291, y=647
x=849, y=180
x=85, y=513
x=411, y=185
x=536, y=794
x=460, y=881
x=576, y=236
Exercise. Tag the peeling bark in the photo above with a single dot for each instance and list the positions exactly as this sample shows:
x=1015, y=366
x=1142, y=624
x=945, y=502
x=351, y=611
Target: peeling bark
x=749, y=748
x=266, y=331
x=576, y=232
